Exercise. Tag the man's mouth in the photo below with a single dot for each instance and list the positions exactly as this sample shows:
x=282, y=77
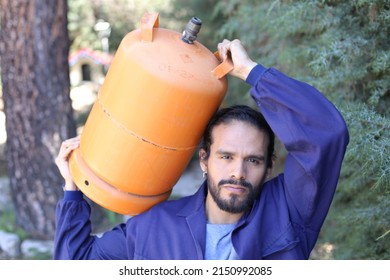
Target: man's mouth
x=238, y=189
x=237, y=184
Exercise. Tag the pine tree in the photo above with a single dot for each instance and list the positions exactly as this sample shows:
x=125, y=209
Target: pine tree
x=35, y=84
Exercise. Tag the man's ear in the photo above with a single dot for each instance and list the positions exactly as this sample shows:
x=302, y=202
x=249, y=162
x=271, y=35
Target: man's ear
x=269, y=173
x=203, y=160
x=270, y=169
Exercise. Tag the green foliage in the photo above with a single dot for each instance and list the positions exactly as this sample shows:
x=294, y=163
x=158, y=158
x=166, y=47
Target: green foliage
x=183, y=11
x=80, y=25
x=367, y=161
x=123, y=15
x=37, y=255
x=8, y=223
x=342, y=48
x=358, y=222
x=109, y=220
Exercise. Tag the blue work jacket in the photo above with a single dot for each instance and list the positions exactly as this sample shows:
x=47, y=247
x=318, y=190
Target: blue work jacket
x=284, y=221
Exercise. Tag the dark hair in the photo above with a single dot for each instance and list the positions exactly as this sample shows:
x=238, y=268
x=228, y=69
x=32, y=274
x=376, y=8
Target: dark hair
x=240, y=113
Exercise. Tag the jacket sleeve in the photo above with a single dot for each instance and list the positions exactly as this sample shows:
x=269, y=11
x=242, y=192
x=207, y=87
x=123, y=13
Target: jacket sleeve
x=315, y=136
x=73, y=238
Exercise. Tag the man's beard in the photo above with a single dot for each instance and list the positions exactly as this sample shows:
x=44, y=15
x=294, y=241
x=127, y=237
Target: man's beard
x=234, y=204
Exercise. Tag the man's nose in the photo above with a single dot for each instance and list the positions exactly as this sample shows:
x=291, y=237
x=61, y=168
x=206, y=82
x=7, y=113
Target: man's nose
x=238, y=170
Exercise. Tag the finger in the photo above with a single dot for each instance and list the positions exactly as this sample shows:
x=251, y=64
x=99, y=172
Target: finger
x=236, y=42
x=223, y=48
x=66, y=150
x=72, y=140
x=68, y=143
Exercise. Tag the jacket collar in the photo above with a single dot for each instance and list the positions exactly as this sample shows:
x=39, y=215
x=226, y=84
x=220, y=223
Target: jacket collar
x=195, y=202
x=194, y=213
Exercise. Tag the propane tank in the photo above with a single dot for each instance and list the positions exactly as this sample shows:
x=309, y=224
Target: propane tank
x=159, y=93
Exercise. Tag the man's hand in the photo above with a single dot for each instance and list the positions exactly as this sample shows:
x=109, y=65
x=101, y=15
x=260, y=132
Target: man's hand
x=62, y=161
x=242, y=63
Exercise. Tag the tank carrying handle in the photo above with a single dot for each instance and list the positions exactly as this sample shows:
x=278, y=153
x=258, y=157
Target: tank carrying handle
x=224, y=68
x=148, y=22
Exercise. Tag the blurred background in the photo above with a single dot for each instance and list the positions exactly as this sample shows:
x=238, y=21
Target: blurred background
x=55, y=54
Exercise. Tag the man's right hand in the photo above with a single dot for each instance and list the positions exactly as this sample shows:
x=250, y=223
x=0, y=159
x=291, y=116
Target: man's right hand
x=62, y=161
x=242, y=63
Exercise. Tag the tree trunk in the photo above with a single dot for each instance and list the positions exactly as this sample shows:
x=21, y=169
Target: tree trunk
x=35, y=76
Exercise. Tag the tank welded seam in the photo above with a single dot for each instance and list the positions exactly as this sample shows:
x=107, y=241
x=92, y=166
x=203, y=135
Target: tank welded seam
x=105, y=111
x=137, y=195
x=144, y=196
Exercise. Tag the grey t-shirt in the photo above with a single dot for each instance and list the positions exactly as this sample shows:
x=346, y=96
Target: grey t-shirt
x=219, y=242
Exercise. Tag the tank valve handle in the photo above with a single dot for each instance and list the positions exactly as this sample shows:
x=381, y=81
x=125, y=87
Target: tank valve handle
x=192, y=29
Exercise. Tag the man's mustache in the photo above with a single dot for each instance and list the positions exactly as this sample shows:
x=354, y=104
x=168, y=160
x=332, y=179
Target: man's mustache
x=241, y=183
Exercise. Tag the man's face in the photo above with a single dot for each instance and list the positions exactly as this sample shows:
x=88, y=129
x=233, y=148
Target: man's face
x=237, y=166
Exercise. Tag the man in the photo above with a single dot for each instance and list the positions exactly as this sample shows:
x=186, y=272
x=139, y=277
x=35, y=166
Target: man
x=239, y=212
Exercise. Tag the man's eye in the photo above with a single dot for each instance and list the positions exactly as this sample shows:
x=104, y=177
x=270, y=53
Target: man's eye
x=254, y=160
x=226, y=157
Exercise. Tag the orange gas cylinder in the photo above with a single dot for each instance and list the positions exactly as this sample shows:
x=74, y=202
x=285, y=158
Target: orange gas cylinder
x=150, y=113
